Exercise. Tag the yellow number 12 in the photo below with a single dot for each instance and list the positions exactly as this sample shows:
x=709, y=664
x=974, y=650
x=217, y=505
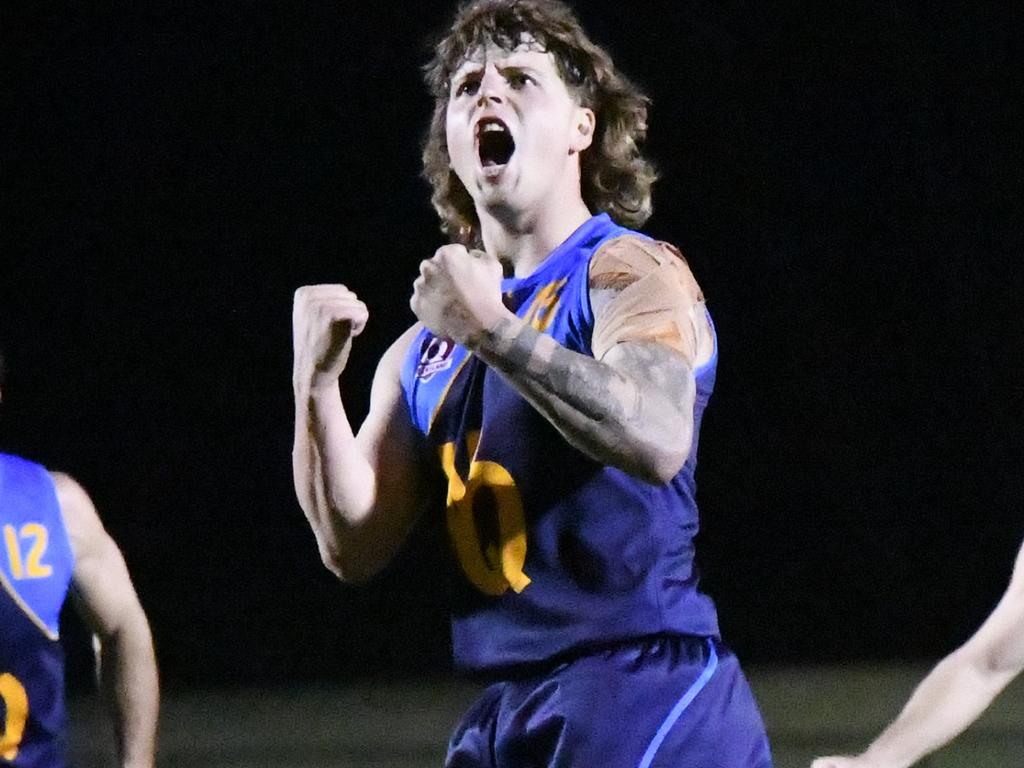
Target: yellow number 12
x=33, y=566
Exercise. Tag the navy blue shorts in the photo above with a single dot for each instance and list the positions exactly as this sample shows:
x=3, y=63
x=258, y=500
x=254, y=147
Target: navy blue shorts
x=668, y=702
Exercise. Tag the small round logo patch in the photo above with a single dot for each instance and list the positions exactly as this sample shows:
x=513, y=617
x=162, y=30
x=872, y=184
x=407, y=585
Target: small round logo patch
x=435, y=356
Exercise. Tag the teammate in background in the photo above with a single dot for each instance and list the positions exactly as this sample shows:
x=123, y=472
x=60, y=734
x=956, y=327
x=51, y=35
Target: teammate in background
x=50, y=539
x=956, y=691
x=556, y=378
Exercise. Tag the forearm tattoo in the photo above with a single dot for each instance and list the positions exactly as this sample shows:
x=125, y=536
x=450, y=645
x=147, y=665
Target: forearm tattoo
x=612, y=416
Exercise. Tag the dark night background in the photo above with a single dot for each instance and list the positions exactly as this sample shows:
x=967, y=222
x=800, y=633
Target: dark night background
x=845, y=182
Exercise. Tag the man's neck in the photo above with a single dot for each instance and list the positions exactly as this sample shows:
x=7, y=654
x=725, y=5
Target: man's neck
x=522, y=240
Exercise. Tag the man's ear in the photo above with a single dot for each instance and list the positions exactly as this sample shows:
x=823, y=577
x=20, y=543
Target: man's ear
x=583, y=129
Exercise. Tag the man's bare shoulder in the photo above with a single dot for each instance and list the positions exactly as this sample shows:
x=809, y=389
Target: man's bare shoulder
x=624, y=260
x=81, y=521
x=642, y=290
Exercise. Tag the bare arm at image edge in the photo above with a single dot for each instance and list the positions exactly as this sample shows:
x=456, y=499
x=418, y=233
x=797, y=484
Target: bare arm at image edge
x=103, y=594
x=956, y=691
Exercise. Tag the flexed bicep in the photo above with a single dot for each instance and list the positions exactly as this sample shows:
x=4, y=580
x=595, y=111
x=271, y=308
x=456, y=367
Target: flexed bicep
x=359, y=491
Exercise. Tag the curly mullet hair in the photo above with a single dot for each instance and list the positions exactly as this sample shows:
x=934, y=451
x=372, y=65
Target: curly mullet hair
x=615, y=177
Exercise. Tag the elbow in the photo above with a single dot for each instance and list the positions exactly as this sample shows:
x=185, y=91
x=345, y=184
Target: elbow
x=333, y=546
x=997, y=662
x=348, y=550
x=334, y=561
x=654, y=464
x=661, y=466
x=343, y=566
x=662, y=454
x=129, y=634
x=981, y=667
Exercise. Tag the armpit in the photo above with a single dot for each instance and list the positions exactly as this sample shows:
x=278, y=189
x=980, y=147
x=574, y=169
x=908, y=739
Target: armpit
x=644, y=291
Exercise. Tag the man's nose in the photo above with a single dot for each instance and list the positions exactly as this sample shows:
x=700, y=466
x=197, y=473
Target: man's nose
x=492, y=87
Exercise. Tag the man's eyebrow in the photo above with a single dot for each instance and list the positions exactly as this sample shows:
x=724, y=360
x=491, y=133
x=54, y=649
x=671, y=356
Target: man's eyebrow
x=519, y=67
x=465, y=69
x=507, y=65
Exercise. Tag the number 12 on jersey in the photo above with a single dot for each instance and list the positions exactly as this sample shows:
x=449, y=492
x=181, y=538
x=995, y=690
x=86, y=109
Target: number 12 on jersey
x=25, y=550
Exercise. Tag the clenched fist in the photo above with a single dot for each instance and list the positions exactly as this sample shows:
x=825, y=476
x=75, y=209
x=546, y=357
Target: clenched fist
x=458, y=294
x=325, y=319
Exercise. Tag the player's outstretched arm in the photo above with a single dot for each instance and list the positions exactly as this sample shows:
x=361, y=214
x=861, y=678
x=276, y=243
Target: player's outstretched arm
x=629, y=406
x=358, y=492
x=956, y=691
x=103, y=594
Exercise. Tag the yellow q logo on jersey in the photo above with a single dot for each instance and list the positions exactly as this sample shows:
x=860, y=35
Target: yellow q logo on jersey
x=542, y=308
x=15, y=699
x=498, y=565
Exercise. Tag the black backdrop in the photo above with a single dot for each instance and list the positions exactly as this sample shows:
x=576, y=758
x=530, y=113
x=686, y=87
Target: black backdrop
x=845, y=183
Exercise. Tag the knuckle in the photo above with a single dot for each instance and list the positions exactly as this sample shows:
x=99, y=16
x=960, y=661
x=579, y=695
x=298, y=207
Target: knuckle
x=450, y=251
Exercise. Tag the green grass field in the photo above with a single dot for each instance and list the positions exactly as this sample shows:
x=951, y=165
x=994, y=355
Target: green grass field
x=809, y=711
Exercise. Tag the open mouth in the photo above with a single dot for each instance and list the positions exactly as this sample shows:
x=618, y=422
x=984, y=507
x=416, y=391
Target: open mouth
x=495, y=144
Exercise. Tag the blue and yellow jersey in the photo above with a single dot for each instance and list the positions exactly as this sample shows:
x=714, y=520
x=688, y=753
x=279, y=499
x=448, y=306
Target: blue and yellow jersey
x=557, y=551
x=35, y=570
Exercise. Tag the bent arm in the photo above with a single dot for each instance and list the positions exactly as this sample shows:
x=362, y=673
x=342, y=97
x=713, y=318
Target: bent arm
x=961, y=686
x=956, y=691
x=629, y=409
x=631, y=405
x=358, y=491
x=104, y=596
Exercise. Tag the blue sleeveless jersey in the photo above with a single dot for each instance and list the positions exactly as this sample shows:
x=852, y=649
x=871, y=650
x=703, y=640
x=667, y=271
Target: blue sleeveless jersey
x=557, y=552
x=35, y=570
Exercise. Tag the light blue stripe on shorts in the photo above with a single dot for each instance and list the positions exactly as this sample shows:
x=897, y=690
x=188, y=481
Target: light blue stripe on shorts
x=680, y=707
